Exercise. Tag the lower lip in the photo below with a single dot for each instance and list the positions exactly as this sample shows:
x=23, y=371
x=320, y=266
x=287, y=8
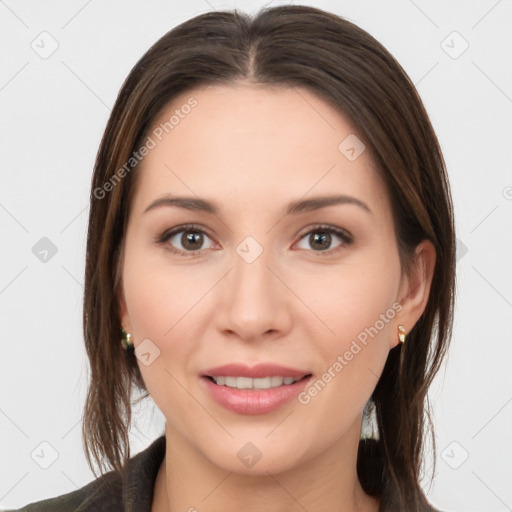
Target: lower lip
x=254, y=401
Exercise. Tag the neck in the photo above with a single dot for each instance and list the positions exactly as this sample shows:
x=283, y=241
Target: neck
x=187, y=481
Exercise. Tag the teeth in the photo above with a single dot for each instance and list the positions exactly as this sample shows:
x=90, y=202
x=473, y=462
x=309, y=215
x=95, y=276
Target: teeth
x=248, y=383
x=243, y=383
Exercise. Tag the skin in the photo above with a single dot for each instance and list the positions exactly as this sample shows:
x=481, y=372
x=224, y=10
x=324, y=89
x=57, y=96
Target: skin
x=252, y=150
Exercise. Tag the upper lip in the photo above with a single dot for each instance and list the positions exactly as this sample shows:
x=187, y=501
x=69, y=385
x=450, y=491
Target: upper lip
x=260, y=370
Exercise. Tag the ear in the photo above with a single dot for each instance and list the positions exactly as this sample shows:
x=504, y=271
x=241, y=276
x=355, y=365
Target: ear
x=415, y=288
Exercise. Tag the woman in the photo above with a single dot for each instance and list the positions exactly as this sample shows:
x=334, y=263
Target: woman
x=271, y=242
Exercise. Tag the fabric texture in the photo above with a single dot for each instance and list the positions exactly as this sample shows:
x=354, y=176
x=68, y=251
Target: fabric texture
x=129, y=490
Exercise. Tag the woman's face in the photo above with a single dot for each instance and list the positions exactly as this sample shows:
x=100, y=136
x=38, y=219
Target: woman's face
x=250, y=271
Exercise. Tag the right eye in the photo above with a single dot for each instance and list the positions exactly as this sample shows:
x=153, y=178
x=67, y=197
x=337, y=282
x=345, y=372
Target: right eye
x=185, y=240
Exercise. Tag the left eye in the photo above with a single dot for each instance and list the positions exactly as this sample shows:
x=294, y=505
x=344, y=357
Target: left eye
x=321, y=238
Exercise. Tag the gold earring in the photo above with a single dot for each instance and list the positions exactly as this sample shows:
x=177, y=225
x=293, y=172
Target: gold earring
x=401, y=333
x=126, y=340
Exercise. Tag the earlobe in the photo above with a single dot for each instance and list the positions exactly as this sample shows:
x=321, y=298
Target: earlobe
x=415, y=291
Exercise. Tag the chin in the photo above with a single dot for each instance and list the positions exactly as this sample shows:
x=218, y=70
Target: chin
x=257, y=457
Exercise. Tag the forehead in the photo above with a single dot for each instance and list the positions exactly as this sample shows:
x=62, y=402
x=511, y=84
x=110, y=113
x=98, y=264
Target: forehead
x=246, y=140
x=286, y=118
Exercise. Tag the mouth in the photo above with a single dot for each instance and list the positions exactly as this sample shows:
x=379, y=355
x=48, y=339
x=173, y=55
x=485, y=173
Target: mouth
x=253, y=390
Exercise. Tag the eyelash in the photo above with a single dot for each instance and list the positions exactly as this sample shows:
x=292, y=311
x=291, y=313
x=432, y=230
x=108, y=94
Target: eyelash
x=343, y=235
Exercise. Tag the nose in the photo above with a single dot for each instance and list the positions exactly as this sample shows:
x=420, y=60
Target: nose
x=253, y=301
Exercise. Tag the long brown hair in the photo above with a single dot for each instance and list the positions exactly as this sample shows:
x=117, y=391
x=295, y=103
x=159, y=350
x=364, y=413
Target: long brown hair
x=341, y=63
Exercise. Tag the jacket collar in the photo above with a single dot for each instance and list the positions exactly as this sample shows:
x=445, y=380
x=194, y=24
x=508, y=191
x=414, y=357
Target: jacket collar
x=139, y=477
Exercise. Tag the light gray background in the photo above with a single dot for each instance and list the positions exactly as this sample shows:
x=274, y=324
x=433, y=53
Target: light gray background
x=54, y=111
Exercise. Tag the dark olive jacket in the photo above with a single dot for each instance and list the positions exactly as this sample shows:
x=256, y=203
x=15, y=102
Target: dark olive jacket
x=129, y=490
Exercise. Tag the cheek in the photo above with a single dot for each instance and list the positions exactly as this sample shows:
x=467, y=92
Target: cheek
x=358, y=307
x=355, y=296
x=159, y=314
x=171, y=306
x=160, y=296
x=166, y=305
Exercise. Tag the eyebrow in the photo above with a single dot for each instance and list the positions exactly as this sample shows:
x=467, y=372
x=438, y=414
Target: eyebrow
x=295, y=207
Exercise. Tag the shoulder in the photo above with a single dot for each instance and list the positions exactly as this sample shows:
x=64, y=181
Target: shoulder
x=427, y=507
x=432, y=509
x=106, y=488
x=129, y=489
